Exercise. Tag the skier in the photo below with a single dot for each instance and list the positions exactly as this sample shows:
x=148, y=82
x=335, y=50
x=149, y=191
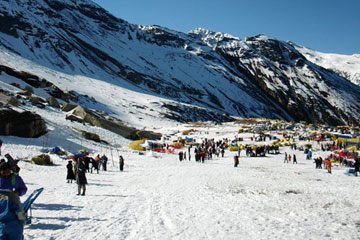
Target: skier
x=121, y=163
x=70, y=173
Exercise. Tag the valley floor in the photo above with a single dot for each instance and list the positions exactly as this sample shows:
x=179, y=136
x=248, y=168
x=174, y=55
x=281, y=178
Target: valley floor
x=158, y=197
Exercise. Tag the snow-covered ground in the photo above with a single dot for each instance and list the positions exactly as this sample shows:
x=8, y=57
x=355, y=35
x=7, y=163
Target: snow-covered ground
x=158, y=197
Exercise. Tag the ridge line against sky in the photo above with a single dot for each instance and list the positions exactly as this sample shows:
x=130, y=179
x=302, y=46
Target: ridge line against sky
x=328, y=26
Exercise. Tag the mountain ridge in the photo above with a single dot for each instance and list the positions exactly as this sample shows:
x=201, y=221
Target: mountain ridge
x=256, y=77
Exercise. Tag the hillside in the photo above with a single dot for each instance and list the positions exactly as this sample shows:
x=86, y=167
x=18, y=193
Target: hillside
x=202, y=75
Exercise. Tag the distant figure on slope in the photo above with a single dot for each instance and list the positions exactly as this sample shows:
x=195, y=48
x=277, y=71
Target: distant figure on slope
x=236, y=160
x=222, y=152
x=99, y=161
x=328, y=165
x=357, y=166
x=289, y=157
x=294, y=159
x=1, y=142
x=70, y=173
x=104, y=161
x=286, y=158
x=80, y=171
x=180, y=156
x=121, y=163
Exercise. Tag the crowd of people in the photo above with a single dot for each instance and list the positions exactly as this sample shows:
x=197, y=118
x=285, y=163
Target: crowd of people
x=12, y=186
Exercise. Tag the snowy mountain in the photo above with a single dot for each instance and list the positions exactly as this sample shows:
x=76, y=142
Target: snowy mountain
x=131, y=70
x=345, y=65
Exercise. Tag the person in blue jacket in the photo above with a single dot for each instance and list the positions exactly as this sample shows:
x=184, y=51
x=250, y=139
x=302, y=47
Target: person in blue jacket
x=12, y=217
x=11, y=181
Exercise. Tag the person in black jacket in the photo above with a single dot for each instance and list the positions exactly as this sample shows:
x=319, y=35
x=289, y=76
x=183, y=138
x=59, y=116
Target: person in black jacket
x=357, y=166
x=70, y=173
x=121, y=163
x=80, y=171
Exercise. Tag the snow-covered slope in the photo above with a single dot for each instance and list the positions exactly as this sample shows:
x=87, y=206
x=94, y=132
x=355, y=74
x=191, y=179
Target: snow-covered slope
x=347, y=66
x=201, y=75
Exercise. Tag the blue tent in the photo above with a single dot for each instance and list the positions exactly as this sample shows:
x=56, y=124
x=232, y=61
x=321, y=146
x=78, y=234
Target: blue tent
x=55, y=150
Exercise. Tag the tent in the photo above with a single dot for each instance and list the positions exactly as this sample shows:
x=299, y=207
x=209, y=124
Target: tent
x=136, y=145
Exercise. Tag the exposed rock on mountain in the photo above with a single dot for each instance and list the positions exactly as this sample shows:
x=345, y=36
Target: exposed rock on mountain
x=202, y=75
x=25, y=124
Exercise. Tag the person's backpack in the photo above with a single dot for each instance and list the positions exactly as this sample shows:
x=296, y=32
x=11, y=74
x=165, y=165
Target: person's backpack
x=13, y=179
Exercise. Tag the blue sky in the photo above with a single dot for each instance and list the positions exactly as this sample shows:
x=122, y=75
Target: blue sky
x=331, y=26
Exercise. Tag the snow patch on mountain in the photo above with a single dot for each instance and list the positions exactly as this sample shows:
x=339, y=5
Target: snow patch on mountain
x=347, y=66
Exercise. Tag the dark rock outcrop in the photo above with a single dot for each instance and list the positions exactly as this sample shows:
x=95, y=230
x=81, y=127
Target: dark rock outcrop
x=25, y=124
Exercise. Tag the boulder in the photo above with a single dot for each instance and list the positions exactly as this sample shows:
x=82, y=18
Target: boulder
x=25, y=124
x=53, y=102
x=67, y=107
x=9, y=100
x=116, y=127
x=24, y=93
x=36, y=100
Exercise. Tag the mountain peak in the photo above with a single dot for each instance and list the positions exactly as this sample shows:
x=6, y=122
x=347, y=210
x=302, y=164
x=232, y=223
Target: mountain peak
x=202, y=75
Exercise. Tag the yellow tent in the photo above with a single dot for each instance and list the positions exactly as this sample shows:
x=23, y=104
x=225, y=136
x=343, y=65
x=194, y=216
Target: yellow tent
x=352, y=148
x=136, y=145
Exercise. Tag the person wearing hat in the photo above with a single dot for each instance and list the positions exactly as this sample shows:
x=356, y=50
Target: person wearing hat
x=11, y=181
x=12, y=217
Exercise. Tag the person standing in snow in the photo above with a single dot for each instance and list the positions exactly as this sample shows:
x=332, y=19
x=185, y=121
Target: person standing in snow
x=328, y=165
x=104, y=161
x=99, y=161
x=12, y=217
x=180, y=156
x=70, y=173
x=286, y=159
x=189, y=149
x=1, y=142
x=11, y=181
x=121, y=163
x=236, y=160
x=80, y=173
x=294, y=159
x=357, y=166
